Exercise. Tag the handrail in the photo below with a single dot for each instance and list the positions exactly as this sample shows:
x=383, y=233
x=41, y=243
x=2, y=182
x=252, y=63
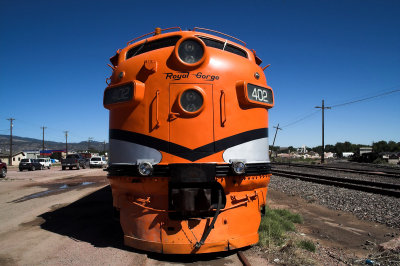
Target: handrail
x=157, y=121
x=153, y=32
x=223, y=110
x=214, y=31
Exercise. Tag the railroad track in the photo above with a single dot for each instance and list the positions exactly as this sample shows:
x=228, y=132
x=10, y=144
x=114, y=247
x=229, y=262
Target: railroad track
x=361, y=185
x=341, y=169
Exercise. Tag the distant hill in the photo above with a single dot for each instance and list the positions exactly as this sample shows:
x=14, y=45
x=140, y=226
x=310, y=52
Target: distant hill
x=30, y=144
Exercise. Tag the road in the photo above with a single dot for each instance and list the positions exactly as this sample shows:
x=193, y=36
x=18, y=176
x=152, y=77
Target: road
x=55, y=217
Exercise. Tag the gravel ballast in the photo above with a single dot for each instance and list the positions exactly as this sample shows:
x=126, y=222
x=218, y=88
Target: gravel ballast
x=366, y=206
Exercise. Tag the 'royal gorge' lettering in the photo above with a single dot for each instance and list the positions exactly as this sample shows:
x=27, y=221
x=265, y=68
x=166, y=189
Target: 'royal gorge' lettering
x=185, y=75
x=177, y=76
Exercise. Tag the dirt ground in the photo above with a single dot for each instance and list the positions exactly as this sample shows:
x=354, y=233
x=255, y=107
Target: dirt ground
x=55, y=217
x=342, y=234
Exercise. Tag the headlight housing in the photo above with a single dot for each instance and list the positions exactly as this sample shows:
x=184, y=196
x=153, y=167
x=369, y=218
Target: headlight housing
x=191, y=100
x=190, y=52
x=238, y=167
x=145, y=168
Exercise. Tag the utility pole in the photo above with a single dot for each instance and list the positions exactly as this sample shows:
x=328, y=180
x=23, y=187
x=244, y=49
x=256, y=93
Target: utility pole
x=43, y=128
x=104, y=147
x=88, y=143
x=66, y=142
x=11, y=144
x=323, y=144
x=276, y=131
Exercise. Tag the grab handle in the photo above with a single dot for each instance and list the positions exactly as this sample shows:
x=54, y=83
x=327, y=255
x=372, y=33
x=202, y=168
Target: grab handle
x=157, y=121
x=222, y=107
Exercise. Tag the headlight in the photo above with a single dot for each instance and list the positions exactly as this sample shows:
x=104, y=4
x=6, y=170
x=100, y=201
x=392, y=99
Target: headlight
x=191, y=100
x=190, y=51
x=238, y=167
x=145, y=168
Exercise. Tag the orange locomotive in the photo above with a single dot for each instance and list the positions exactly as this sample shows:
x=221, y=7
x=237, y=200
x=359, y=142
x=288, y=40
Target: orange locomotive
x=189, y=165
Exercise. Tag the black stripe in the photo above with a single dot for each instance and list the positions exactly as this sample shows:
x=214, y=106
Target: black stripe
x=184, y=152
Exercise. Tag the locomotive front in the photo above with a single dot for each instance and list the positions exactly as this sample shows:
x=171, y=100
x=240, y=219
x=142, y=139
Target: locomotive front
x=188, y=163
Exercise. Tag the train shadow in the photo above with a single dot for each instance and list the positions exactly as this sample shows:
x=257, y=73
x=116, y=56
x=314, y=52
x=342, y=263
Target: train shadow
x=89, y=219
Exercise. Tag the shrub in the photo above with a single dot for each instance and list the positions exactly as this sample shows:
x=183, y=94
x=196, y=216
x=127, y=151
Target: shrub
x=307, y=245
x=274, y=224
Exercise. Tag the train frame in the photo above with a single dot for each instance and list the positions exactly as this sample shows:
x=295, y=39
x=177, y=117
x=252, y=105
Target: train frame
x=188, y=164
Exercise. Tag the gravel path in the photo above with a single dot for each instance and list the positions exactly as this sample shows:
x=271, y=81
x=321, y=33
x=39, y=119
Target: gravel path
x=367, y=206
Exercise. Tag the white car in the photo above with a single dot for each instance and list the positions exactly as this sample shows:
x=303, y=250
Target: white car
x=45, y=162
x=97, y=161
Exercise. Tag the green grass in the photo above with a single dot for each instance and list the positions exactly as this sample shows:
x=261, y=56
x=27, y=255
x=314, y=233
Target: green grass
x=307, y=245
x=274, y=225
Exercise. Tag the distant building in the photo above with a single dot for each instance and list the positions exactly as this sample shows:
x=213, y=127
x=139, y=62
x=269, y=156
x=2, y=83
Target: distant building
x=329, y=155
x=48, y=153
x=16, y=158
x=365, y=150
x=347, y=154
x=394, y=158
x=32, y=154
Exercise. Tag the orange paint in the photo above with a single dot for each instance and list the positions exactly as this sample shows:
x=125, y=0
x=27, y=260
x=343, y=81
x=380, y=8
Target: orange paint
x=180, y=101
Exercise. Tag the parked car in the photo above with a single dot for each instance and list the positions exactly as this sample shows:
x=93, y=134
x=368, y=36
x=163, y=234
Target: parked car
x=3, y=169
x=73, y=160
x=97, y=161
x=45, y=162
x=30, y=164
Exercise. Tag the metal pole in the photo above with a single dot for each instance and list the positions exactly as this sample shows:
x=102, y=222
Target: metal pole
x=323, y=130
x=88, y=145
x=66, y=142
x=323, y=142
x=11, y=144
x=43, y=128
x=276, y=131
x=273, y=143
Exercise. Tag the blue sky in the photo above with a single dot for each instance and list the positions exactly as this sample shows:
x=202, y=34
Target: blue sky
x=54, y=57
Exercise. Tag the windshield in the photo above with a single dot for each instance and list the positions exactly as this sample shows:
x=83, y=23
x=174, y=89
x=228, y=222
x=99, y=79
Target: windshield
x=25, y=161
x=95, y=159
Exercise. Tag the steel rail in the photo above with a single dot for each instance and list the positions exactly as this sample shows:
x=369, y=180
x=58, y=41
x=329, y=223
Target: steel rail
x=357, y=171
x=361, y=185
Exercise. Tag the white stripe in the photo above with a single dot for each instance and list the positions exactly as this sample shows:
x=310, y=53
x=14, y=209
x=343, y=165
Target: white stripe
x=251, y=152
x=129, y=153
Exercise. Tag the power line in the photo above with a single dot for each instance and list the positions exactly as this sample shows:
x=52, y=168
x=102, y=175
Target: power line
x=301, y=119
x=364, y=99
